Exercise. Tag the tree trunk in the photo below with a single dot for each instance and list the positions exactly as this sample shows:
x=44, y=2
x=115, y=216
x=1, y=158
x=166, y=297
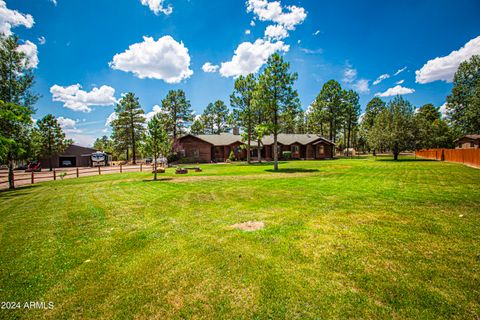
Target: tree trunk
x=348, y=140
x=11, y=181
x=259, y=153
x=248, y=148
x=155, y=169
x=134, y=155
x=275, y=152
x=127, y=155
x=395, y=155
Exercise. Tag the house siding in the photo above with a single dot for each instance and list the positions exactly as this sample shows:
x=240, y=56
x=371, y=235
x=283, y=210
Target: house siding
x=196, y=150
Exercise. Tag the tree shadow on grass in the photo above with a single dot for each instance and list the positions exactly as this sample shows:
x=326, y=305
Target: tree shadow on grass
x=18, y=191
x=158, y=180
x=292, y=170
x=404, y=160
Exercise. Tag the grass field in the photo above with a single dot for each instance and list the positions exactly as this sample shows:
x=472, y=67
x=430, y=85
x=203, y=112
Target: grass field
x=342, y=239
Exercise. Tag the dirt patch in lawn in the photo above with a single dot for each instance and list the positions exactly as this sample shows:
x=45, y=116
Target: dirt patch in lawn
x=249, y=225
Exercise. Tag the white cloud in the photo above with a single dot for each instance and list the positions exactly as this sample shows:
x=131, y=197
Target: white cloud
x=247, y=31
x=249, y=57
x=397, y=90
x=112, y=116
x=273, y=11
x=82, y=139
x=157, y=6
x=42, y=40
x=316, y=33
x=12, y=18
x=443, y=110
x=54, y=2
x=66, y=123
x=349, y=74
x=311, y=51
x=252, y=23
x=164, y=59
x=79, y=100
x=31, y=53
x=276, y=32
x=400, y=81
x=361, y=86
x=209, y=67
x=381, y=78
x=444, y=68
x=400, y=71
x=156, y=109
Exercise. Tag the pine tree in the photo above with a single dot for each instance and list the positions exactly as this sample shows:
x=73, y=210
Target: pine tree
x=128, y=127
x=275, y=89
x=178, y=112
x=51, y=137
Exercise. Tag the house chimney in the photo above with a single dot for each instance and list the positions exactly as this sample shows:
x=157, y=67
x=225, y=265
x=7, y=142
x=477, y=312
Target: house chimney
x=236, y=131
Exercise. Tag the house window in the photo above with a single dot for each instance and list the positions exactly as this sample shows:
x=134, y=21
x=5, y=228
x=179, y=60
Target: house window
x=295, y=149
x=196, y=154
x=181, y=153
x=472, y=145
x=321, y=150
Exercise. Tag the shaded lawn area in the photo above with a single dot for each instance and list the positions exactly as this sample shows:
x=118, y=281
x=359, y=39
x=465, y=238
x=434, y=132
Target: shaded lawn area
x=343, y=239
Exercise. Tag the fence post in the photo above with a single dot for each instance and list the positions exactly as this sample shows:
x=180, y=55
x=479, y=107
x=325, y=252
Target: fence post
x=33, y=177
x=77, y=173
x=99, y=170
x=54, y=174
x=140, y=167
x=120, y=168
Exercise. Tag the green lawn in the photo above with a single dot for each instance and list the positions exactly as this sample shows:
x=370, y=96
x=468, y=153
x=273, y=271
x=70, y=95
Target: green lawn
x=343, y=239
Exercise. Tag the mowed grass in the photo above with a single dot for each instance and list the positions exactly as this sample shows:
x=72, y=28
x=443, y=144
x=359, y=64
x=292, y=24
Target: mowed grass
x=359, y=238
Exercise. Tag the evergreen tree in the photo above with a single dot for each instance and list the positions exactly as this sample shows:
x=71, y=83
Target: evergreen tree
x=216, y=118
x=178, y=112
x=128, y=127
x=351, y=114
x=328, y=106
x=197, y=127
x=374, y=107
x=51, y=138
x=243, y=111
x=275, y=89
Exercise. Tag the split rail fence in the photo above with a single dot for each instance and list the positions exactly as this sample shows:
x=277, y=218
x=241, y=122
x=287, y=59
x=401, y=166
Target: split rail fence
x=24, y=178
x=470, y=157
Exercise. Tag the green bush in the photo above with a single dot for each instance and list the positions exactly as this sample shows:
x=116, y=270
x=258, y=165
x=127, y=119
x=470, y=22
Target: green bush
x=287, y=155
x=231, y=156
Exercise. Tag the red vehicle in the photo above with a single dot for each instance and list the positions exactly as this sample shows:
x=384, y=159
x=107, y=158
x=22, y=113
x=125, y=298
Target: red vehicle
x=34, y=166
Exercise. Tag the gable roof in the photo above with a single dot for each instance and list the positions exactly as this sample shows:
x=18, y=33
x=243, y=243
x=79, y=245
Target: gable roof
x=226, y=139
x=470, y=136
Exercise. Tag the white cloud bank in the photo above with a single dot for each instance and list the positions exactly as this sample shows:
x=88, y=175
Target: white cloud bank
x=444, y=68
x=31, y=53
x=164, y=59
x=157, y=6
x=350, y=78
x=397, y=90
x=400, y=71
x=12, y=18
x=276, y=32
x=79, y=100
x=249, y=57
x=209, y=67
x=273, y=11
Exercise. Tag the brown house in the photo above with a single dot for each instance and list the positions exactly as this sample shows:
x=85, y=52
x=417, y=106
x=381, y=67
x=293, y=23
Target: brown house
x=217, y=147
x=73, y=156
x=469, y=141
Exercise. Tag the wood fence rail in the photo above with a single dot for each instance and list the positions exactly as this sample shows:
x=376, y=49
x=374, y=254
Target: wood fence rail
x=469, y=157
x=24, y=178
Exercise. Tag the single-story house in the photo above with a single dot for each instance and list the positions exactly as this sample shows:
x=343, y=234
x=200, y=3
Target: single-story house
x=73, y=156
x=469, y=141
x=217, y=147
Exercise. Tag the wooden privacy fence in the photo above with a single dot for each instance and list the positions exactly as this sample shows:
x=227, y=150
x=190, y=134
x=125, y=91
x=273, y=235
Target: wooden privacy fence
x=24, y=178
x=469, y=157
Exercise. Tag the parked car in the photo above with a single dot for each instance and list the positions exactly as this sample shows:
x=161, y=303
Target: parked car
x=33, y=166
x=66, y=163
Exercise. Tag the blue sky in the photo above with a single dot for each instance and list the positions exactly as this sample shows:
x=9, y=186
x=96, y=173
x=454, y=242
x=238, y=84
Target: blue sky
x=100, y=46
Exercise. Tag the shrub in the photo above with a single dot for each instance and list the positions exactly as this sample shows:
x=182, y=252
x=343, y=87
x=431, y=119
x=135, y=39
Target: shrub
x=173, y=157
x=286, y=155
x=231, y=156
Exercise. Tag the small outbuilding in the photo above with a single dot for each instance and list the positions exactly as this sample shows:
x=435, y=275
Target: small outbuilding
x=469, y=141
x=73, y=156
